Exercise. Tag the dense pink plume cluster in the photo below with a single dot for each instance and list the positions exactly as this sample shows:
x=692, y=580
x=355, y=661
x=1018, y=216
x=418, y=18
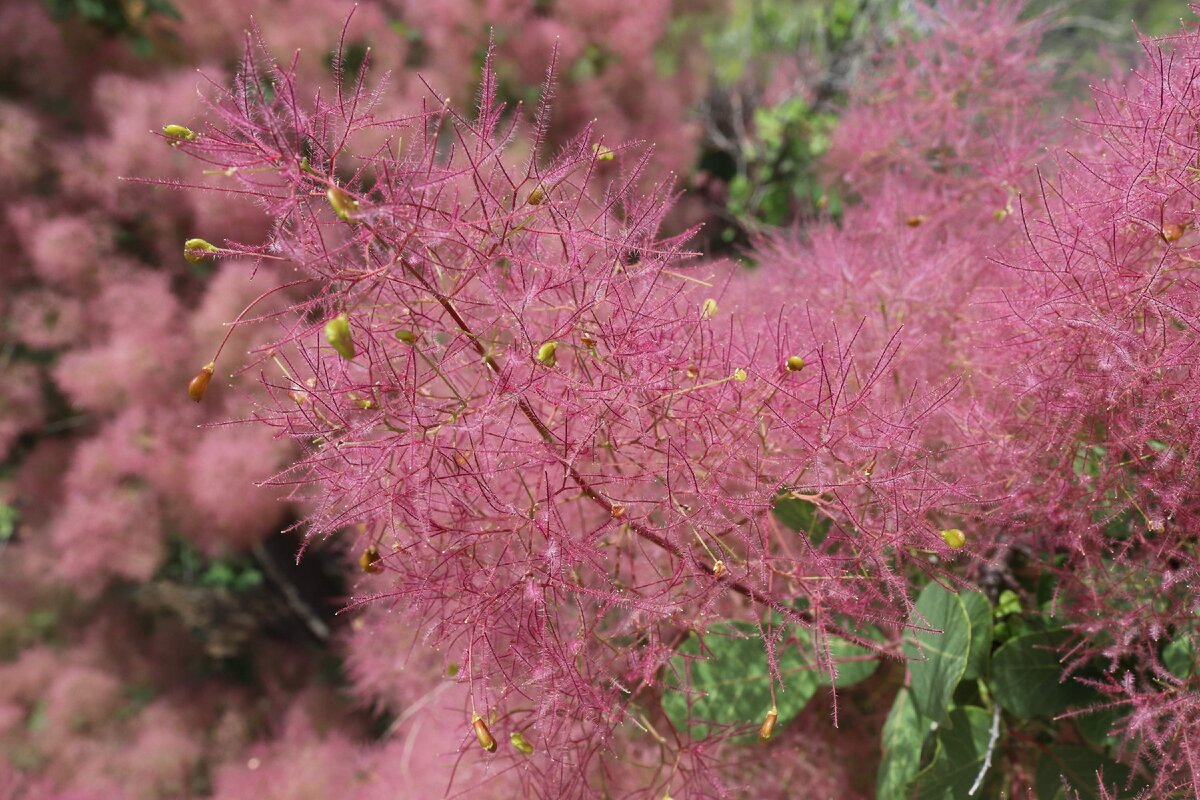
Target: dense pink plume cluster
x=1058, y=293
x=533, y=408
x=107, y=466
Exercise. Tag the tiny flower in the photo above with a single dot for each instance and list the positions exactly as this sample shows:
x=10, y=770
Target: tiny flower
x=603, y=153
x=537, y=196
x=486, y=740
x=178, y=133
x=521, y=743
x=794, y=363
x=954, y=538
x=546, y=354
x=719, y=569
x=768, y=726
x=344, y=206
x=337, y=333
x=199, y=384
x=708, y=309
x=369, y=560
x=194, y=250
x=617, y=510
x=740, y=375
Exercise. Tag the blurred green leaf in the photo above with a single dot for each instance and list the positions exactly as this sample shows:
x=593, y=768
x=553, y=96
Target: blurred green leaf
x=1026, y=676
x=904, y=734
x=979, y=612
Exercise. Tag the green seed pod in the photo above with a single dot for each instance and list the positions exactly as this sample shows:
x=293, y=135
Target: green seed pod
x=545, y=354
x=344, y=206
x=795, y=364
x=194, y=250
x=740, y=375
x=603, y=153
x=537, y=196
x=337, y=333
x=521, y=743
x=708, y=309
x=954, y=538
x=405, y=335
x=178, y=133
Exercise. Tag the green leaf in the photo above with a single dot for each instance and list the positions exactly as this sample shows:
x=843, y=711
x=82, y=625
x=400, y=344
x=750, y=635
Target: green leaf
x=730, y=682
x=979, y=611
x=8, y=522
x=1077, y=766
x=944, y=654
x=1007, y=603
x=1095, y=725
x=904, y=734
x=1026, y=673
x=852, y=665
x=803, y=517
x=961, y=751
x=1179, y=656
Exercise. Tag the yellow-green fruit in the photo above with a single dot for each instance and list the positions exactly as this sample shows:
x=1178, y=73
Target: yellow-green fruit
x=179, y=133
x=708, y=309
x=953, y=537
x=521, y=743
x=546, y=354
x=795, y=364
x=192, y=246
x=343, y=204
x=337, y=333
x=405, y=335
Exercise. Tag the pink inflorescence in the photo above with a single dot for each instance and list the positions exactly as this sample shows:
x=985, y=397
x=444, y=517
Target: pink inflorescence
x=562, y=448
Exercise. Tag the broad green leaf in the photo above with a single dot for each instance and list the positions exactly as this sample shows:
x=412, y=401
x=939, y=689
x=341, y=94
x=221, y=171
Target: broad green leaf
x=961, y=751
x=731, y=684
x=903, y=735
x=979, y=611
x=1025, y=676
x=1179, y=656
x=1095, y=726
x=803, y=517
x=1077, y=767
x=943, y=651
x=852, y=667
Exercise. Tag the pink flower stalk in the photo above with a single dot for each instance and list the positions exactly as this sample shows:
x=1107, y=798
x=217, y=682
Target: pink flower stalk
x=563, y=451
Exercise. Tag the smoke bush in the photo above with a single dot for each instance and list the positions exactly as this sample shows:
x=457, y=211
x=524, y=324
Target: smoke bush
x=562, y=455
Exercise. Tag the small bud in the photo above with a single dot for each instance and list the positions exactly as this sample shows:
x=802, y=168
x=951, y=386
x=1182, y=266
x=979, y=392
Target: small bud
x=718, y=568
x=915, y=220
x=194, y=250
x=794, y=363
x=1173, y=231
x=452, y=669
x=768, y=726
x=486, y=740
x=537, y=196
x=405, y=335
x=299, y=397
x=740, y=375
x=617, y=510
x=344, y=206
x=520, y=742
x=545, y=354
x=692, y=372
x=337, y=333
x=199, y=384
x=954, y=538
x=708, y=309
x=369, y=560
x=1000, y=214
x=587, y=341
x=364, y=403
x=603, y=153
x=178, y=133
